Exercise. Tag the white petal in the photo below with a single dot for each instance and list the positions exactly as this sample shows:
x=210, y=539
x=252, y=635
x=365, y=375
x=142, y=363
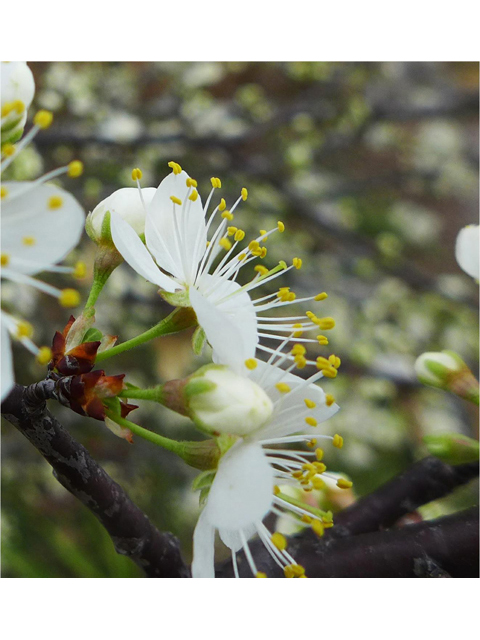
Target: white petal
x=203, y=565
x=136, y=254
x=17, y=83
x=467, y=250
x=176, y=234
x=242, y=491
x=8, y=379
x=233, y=539
x=233, y=336
x=127, y=204
x=26, y=214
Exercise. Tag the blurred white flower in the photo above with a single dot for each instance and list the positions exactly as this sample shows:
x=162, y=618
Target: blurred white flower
x=467, y=250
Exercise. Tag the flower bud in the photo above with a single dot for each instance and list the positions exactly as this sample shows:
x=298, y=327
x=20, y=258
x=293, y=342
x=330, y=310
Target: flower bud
x=127, y=204
x=18, y=88
x=446, y=370
x=467, y=250
x=220, y=401
x=452, y=448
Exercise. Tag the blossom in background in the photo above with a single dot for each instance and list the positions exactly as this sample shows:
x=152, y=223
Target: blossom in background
x=467, y=250
x=246, y=487
x=176, y=243
x=18, y=88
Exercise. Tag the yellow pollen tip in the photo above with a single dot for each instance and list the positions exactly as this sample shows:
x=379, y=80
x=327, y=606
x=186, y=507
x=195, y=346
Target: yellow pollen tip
x=43, y=119
x=223, y=205
x=311, y=421
x=193, y=196
x=227, y=215
x=282, y=264
x=283, y=387
x=28, y=241
x=175, y=167
x=242, y=257
x=306, y=519
x=322, y=340
x=251, y=364
x=44, y=355
x=325, y=323
x=321, y=296
x=4, y=259
x=8, y=149
x=80, y=270
x=276, y=490
x=318, y=528
x=300, y=361
x=329, y=399
x=137, y=174
x=231, y=231
x=24, y=329
x=55, y=202
x=244, y=194
x=175, y=200
x=320, y=467
x=319, y=454
x=253, y=245
x=310, y=403
x=298, y=350
x=344, y=484
x=261, y=269
x=263, y=252
x=312, y=443
x=279, y=541
x=69, y=298
x=225, y=243
x=191, y=182
x=3, y=192
x=264, y=237
x=329, y=373
x=216, y=183
x=294, y=571
x=75, y=169
x=297, y=263
x=260, y=574
x=337, y=441
x=239, y=235
x=318, y=484
x=280, y=226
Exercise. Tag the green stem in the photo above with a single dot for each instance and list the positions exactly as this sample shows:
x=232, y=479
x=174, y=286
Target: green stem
x=161, y=441
x=95, y=291
x=178, y=320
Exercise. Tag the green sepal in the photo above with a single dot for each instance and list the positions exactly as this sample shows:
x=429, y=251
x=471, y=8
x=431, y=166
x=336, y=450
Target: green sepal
x=177, y=299
x=204, y=479
x=105, y=233
x=198, y=340
x=452, y=448
x=198, y=385
x=204, y=495
x=92, y=335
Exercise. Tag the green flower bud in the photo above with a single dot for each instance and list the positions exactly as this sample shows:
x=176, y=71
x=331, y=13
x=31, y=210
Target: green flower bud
x=446, y=370
x=452, y=448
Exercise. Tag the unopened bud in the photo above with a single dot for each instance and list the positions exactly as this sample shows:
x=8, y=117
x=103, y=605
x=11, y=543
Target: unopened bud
x=446, y=370
x=18, y=88
x=452, y=448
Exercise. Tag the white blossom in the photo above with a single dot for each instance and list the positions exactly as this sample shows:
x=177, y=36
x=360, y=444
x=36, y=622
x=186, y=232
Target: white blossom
x=467, y=250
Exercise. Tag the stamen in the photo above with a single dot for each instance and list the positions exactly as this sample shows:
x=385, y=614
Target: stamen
x=251, y=363
x=69, y=298
x=337, y=441
x=43, y=119
x=44, y=355
x=175, y=167
x=136, y=174
x=175, y=200
x=244, y=194
x=344, y=484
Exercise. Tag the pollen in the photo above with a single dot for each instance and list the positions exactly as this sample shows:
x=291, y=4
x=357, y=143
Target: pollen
x=231, y=231
x=297, y=263
x=334, y=361
x=310, y=404
x=321, y=296
x=239, y=235
x=4, y=259
x=260, y=574
x=251, y=364
x=261, y=269
x=330, y=372
x=44, y=355
x=279, y=541
x=80, y=270
x=329, y=399
x=283, y=387
x=298, y=350
x=344, y=484
x=28, y=241
x=325, y=323
x=253, y=246
x=4, y=192
x=319, y=454
x=8, y=149
x=43, y=119
x=227, y=215
x=300, y=361
x=242, y=257
x=318, y=528
x=263, y=252
x=310, y=420
x=216, y=183
x=193, y=196
x=320, y=467
x=55, y=202
x=244, y=194
x=322, y=362
x=337, y=441
x=280, y=226
x=294, y=571
x=191, y=182
x=175, y=167
x=69, y=298
x=137, y=174
x=225, y=243
x=223, y=205
x=322, y=340
x=175, y=200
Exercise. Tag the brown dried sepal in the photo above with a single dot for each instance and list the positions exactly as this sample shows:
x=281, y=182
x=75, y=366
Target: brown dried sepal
x=79, y=360
x=88, y=390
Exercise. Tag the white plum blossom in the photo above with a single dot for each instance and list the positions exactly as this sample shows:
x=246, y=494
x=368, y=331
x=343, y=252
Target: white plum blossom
x=18, y=88
x=467, y=250
x=180, y=259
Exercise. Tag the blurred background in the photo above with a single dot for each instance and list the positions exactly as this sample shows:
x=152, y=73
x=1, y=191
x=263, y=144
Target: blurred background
x=373, y=167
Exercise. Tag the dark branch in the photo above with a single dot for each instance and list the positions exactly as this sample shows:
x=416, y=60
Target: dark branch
x=131, y=531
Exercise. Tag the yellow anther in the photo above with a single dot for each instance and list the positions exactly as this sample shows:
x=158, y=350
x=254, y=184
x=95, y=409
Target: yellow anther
x=175, y=167
x=300, y=361
x=55, y=202
x=308, y=488
x=282, y=264
x=80, y=270
x=242, y=257
x=310, y=420
x=288, y=572
x=312, y=443
x=298, y=570
x=69, y=298
x=216, y=183
x=298, y=350
x=231, y=231
x=223, y=205
x=322, y=363
x=208, y=243
x=263, y=233
x=4, y=259
x=283, y=387
x=8, y=149
x=319, y=454
x=330, y=372
x=19, y=106
x=260, y=574
x=318, y=484
x=227, y=215
x=321, y=296
x=279, y=541
x=225, y=243
x=137, y=174
x=327, y=525
x=298, y=334
x=43, y=119
x=310, y=403
x=344, y=484
x=239, y=235
x=24, y=329
x=327, y=517
x=337, y=441
x=244, y=194
x=320, y=467
x=175, y=200
x=297, y=474
x=254, y=246
x=263, y=252
x=297, y=263
x=16, y=105
x=329, y=399
x=191, y=182
x=3, y=192
x=334, y=361
x=261, y=269
x=323, y=340
x=75, y=169
x=325, y=323
x=280, y=226
x=193, y=196
x=318, y=528
x=251, y=363
x=28, y=241
x=306, y=519
x=44, y=355
x=276, y=490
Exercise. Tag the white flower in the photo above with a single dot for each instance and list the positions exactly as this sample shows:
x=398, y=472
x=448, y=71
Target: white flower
x=127, y=204
x=18, y=88
x=246, y=485
x=176, y=232
x=467, y=250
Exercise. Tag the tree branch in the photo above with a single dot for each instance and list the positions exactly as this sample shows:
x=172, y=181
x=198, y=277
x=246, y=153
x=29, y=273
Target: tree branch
x=131, y=531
